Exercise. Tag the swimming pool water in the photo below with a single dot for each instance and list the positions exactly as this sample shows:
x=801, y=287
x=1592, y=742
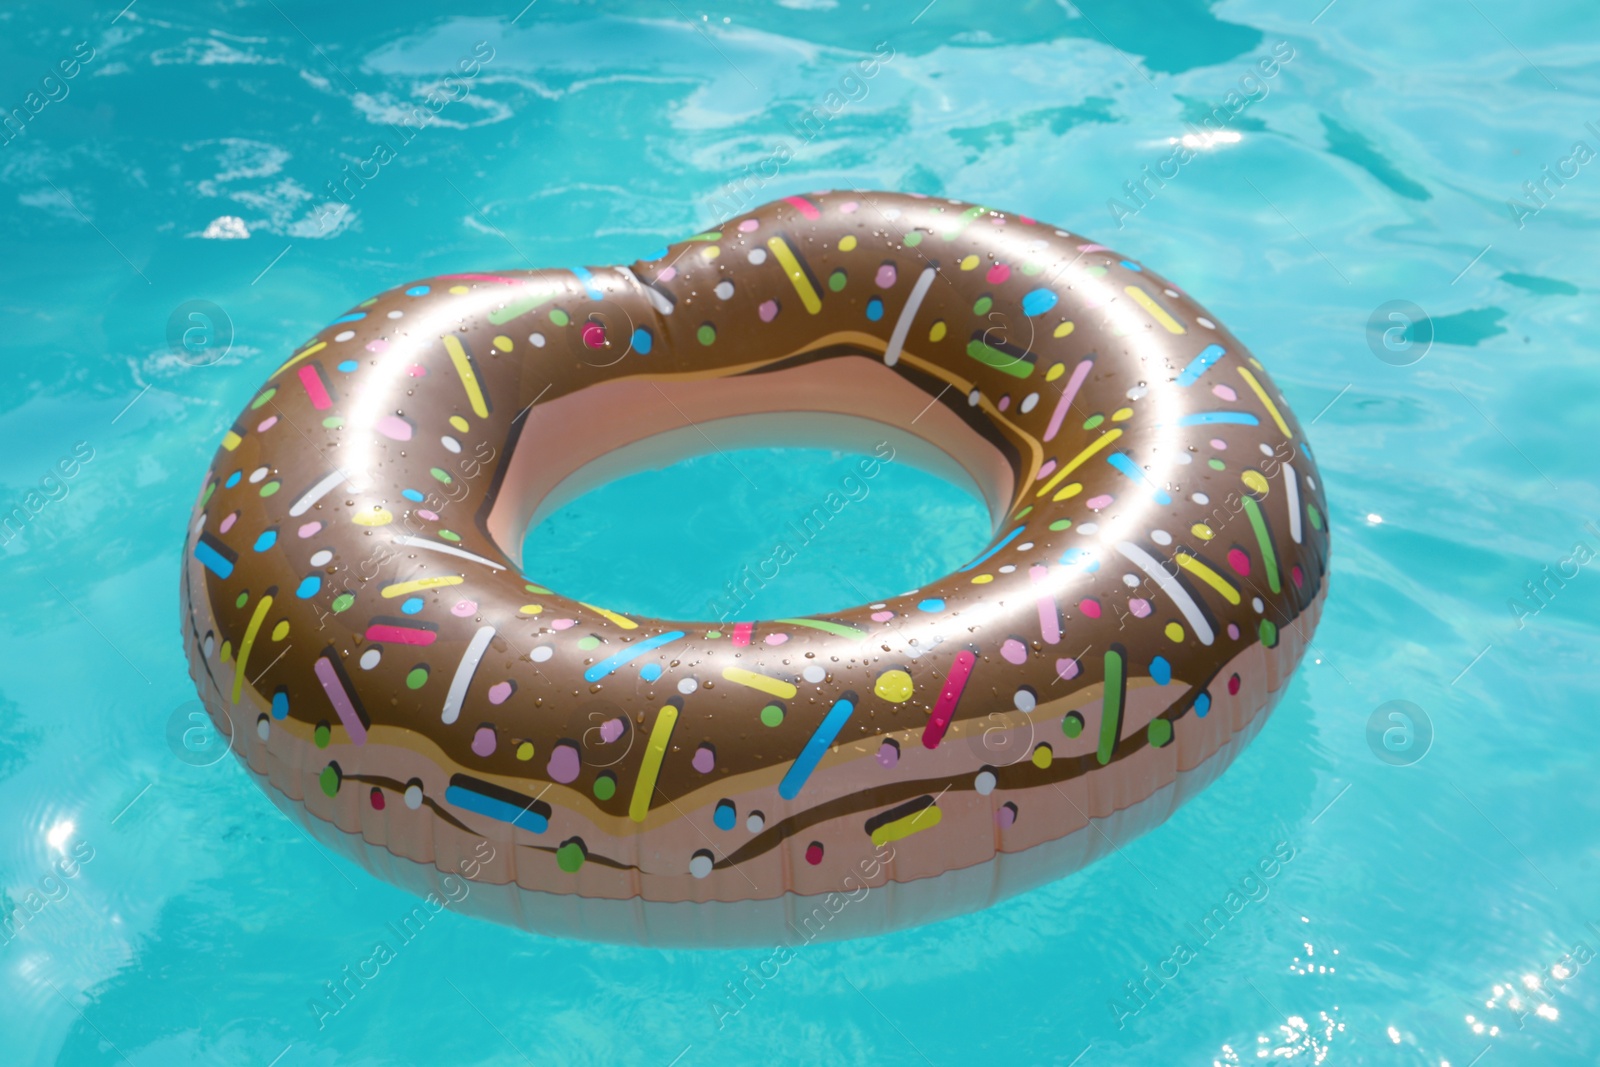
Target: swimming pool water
x=179, y=212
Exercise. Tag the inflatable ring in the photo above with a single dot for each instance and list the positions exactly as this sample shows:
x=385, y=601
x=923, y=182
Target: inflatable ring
x=357, y=616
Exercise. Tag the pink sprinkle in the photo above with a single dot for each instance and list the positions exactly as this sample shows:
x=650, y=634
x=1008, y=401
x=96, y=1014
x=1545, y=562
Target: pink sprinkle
x=1066, y=669
x=849, y=207
x=749, y=225
x=997, y=220
x=777, y=639
x=424, y=513
x=1044, y=471
x=563, y=624
x=416, y=370
x=483, y=741
x=610, y=730
x=1225, y=392
x=463, y=608
x=310, y=528
x=377, y=344
x=500, y=692
x=705, y=760
x=394, y=428
x=667, y=274
x=1139, y=606
x=1095, y=503
x=267, y=424
x=1233, y=631
x=768, y=310
x=594, y=335
x=886, y=276
x=882, y=616
x=1013, y=651
x=1005, y=402
x=1090, y=607
x=1091, y=248
x=998, y=273
x=1239, y=561
x=888, y=754
x=1219, y=444
x=564, y=763
x=227, y=523
x=1297, y=575
x=1005, y=817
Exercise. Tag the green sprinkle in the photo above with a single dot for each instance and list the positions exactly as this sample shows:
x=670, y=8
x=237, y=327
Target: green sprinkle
x=321, y=735
x=270, y=488
x=333, y=422
x=913, y=239
x=1072, y=725
x=263, y=398
x=772, y=715
x=837, y=280
x=1061, y=524
x=342, y=602
x=1092, y=421
x=559, y=317
x=449, y=535
x=1160, y=733
x=329, y=778
x=1269, y=633
x=605, y=787
x=589, y=642
x=706, y=334
x=982, y=306
x=1216, y=464
x=417, y=678
x=569, y=857
x=440, y=475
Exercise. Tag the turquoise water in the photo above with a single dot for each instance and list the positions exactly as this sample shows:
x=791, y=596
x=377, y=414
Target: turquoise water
x=1374, y=165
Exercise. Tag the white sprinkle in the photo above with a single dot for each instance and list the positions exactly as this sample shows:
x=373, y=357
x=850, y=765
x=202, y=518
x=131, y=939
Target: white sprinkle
x=344, y=335
x=755, y=822
x=1200, y=498
x=1029, y=402
x=813, y=674
x=536, y=340
x=413, y=796
x=541, y=653
x=724, y=290
x=984, y=783
x=263, y=727
x=257, y=474
x=1130, y=580
x=450, y=443
x=1161, y=537
x=700, y=866
x=687, y=686
x=371, y=658
x=1025, y=700
x=321, y=557
x=757, y=256
x=1255, y=602
x=396, y=314
x=1088, y=528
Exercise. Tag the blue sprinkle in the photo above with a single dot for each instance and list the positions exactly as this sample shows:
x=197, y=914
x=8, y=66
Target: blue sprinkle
x=348, y=365
x=417, y=290
x=1132, y=266
x=724, y=816
x=411, y=495
x=662, y=254
x=233, y=479
x=280, y=705
x=642, y=341
x=650, y=671
x=931, y=604
x=1038, y=302
x=874, y=309
x=357, y=317
x=1080, y=558
x=1160, y=670
x=1202, y=704
x=414, y=605
x=308, y=587
x=267, y=539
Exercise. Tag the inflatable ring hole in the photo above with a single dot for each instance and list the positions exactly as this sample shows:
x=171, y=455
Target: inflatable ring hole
x=782, y=518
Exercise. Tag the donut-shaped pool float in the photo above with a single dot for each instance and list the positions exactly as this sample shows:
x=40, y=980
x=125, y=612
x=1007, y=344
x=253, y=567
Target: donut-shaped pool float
x=359, y=620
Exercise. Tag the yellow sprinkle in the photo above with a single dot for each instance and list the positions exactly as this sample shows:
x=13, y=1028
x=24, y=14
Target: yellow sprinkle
x=525, y=751
x=1254, y=480
x=469, y=377
x=402, y=588
x=1069, y=492
x=503, y=343
x=1209, y=576
x=847, y=243
x=458, y=289
x=1121, y=414
x=1056, y=371
x=645, y=786
x=926, y=819
x=1202, y=531
x=230, y=440
x=298, y=356
x=375, y=517
x=983, y=579
x=1266, y=401
x=280, y=631
x=459, y=423
x=710, y=252
x=797, y=275
x=531, y=609
x=1174, y=633
x=1043, y=756
x=1157, y=312
x=893, y=686
x=248, y=643
x=1077, y=461
x=621, y=620
x=969, y=263
x=771, y=686
x=938, y=331
x=1062, y=330
x=227, y=652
